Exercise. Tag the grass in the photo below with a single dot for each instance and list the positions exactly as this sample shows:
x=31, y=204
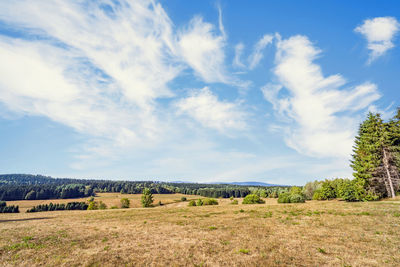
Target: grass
x=112, y=200
x=327, y=233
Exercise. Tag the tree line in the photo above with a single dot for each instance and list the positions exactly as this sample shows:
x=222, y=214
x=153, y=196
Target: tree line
x=37, y=187
x=8, y=209
x=58, y=206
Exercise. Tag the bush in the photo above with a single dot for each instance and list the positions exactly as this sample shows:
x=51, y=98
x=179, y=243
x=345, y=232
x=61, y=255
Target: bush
x=102, y=206
x=235, y=202
x=93, y=205
x=253, y=199
x=183, y=199
x=192, y=203
x=199, y=202
x=326, y=191
x=310, y=188
x=125, y=203
x=284, y=198
x=210, y=201
x=297, y=198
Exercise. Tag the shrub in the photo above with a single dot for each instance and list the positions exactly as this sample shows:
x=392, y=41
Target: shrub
x=231, y=198
x=183, y=199
x=235, y=202
x=125, y=203
x=210, y=201
x=147, y=198
x=192, y=203
x=253, y=199
x=93, y=205
x=284, y=198
x=102, y=205
x=297, y=198
x=347, y=191
x=310, y=188
x=199, y=202
x=326, y=191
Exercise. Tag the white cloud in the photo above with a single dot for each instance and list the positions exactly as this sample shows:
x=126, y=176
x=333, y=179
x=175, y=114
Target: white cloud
x=379, y=33
x=204, y=106
x=238, y=53
x=203, y=49
x=320, y=109
x=259, y=47
x=102, y=70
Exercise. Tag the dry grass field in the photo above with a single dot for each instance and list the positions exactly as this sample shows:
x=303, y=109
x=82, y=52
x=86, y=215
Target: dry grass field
x=110, y=199
x=324, y=233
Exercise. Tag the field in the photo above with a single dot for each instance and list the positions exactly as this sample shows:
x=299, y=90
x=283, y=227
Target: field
x=330, y=233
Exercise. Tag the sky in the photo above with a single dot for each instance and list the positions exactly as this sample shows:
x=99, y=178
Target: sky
x=202, y=91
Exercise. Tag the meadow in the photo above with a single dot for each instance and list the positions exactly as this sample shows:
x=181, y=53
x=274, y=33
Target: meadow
x=315, y=233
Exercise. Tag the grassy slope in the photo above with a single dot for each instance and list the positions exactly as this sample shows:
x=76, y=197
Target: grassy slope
x=315, y=233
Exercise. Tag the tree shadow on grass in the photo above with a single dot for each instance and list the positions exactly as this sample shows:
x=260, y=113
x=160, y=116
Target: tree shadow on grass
x=25, y=219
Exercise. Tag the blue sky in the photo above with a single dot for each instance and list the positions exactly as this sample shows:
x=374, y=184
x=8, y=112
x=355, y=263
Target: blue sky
x=203, y=91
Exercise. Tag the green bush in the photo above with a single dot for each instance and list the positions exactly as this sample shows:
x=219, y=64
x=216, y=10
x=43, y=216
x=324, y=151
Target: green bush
x=93, y=205
x=199, y=202
x=326, y=191
x=210, y=201
x=310, y=188
x=297, y=198
x=192, y=203
x=183, y=199
x=284, y=198
x=253, y=199
x=235, y=202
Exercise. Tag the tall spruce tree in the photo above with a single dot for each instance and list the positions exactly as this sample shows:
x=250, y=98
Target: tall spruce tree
x=376, y=158
x=367, y=148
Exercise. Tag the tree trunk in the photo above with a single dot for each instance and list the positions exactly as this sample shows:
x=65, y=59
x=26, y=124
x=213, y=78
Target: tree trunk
x=386, y=165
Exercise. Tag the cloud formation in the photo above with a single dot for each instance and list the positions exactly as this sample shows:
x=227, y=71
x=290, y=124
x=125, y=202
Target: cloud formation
x=379, y=33
x=320, y=110
x=204, y=106
x=101, y=67
x=259, y=47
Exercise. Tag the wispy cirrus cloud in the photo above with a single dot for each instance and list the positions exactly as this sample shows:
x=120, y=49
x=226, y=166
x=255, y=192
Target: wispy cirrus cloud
x=259, y=47
x=102, y=67
x=321, y=110
x=379, y=33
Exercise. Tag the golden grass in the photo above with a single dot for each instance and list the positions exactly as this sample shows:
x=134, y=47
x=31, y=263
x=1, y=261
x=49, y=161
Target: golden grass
x=110, y=199
x=324, y=233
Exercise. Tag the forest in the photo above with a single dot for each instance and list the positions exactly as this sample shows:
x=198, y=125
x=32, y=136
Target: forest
x=36, y=187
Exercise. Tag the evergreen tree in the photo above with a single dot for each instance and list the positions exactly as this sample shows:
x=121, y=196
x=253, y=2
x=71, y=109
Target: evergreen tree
x=147, y=198
x=376, y=158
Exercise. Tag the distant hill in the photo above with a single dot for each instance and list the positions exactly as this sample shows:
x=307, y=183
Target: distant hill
x=251, y=183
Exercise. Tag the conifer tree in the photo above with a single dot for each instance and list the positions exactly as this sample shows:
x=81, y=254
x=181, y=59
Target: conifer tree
x=147, y=198
x=376, y=158
x=367, y=148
